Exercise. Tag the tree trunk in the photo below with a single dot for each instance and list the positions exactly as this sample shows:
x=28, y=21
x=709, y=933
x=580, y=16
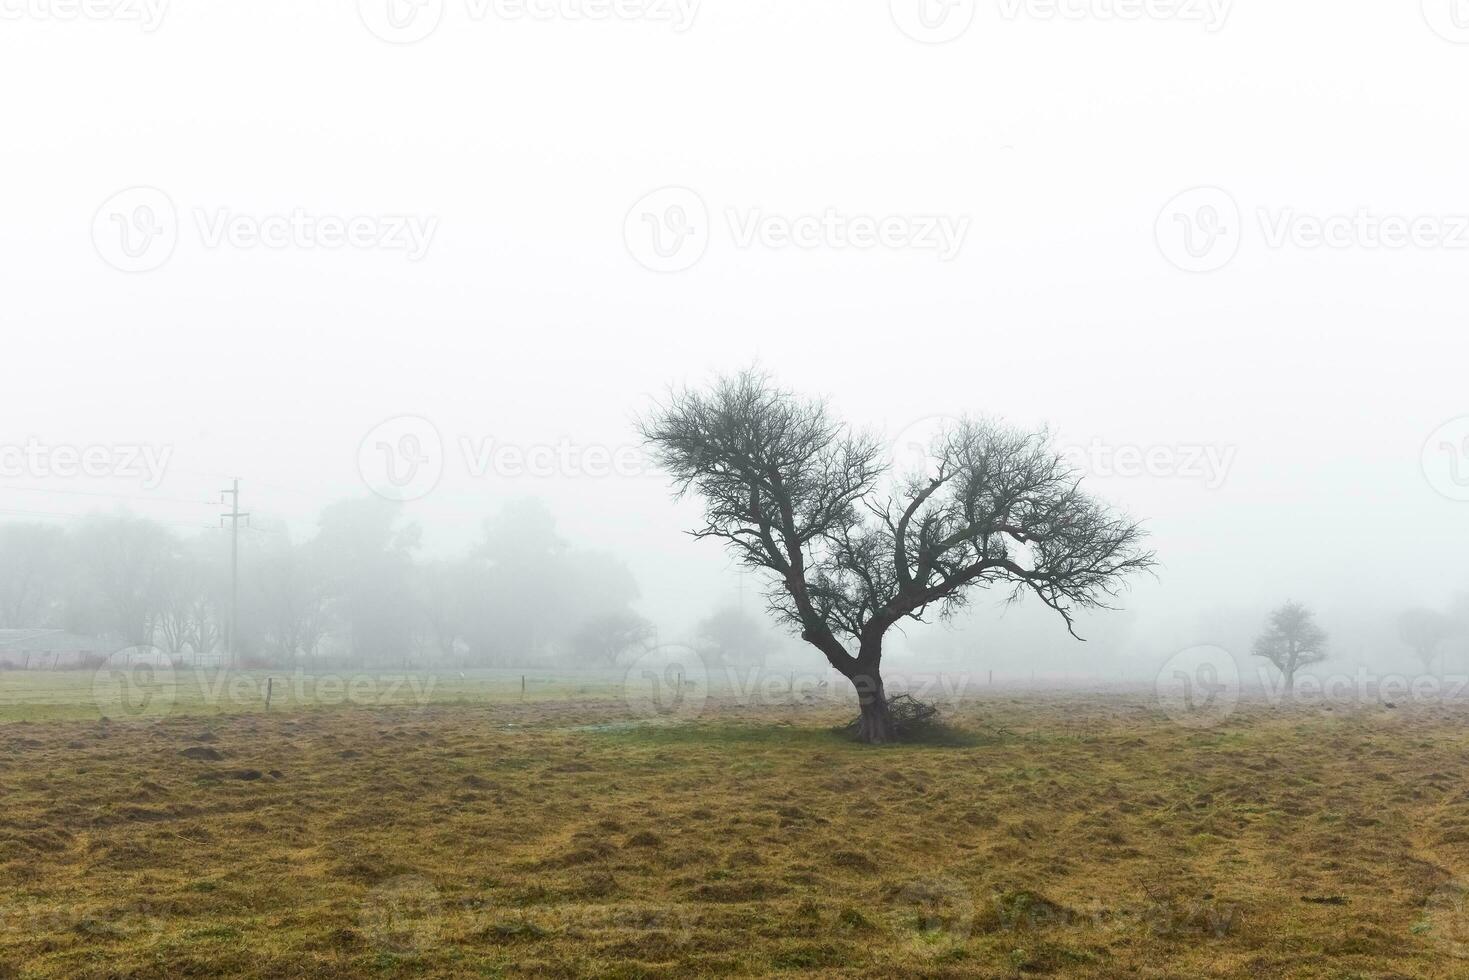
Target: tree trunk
x=1290, y=684
x=875, y=726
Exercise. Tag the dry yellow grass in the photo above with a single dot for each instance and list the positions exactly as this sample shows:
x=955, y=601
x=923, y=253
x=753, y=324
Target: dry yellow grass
x=1073, y=836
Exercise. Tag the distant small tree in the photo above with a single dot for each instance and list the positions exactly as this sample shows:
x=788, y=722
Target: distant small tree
x=608, y=637
x=1425, y=630
x=1291, y=640
x=852, y=550
x=732, y=636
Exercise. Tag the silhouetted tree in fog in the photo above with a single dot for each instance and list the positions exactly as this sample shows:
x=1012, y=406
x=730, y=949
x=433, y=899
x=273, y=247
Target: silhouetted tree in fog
x=32, y=567
x=732, y=637
x=367, y=557
x=792, y=491
x=195, y=601
x=1425, y=630
x=1291, y=640
x=447, y=595
x=292, y=600
x=606, y=638
x=536, y=591
x=121, y=587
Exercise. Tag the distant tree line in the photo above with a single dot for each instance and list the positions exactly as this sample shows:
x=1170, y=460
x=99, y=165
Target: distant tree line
x=1433, y=633
x=355, y=591
x=1292, y=640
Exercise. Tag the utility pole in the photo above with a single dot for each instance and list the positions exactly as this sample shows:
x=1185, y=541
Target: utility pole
x=234, y=517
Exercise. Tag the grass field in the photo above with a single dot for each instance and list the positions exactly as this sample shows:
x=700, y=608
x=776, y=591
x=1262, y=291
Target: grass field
x=1063, y=835
x=142, y=694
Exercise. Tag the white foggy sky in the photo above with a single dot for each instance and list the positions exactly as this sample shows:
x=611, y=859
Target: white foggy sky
x=528, y=321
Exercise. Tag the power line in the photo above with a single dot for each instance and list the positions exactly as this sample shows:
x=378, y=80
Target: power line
x=115, y=496
x=310, y=494
x=81, y=517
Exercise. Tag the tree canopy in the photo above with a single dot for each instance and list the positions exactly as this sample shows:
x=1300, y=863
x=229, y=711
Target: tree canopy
x=853, y=548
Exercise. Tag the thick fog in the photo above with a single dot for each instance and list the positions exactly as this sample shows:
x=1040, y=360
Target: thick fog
x=422, y=291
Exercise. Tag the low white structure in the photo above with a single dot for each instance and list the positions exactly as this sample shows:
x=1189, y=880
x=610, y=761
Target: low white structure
x=49, y=649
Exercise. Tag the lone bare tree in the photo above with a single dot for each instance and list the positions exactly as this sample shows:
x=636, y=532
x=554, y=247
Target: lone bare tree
x=1291, y=640
x=854, y=551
